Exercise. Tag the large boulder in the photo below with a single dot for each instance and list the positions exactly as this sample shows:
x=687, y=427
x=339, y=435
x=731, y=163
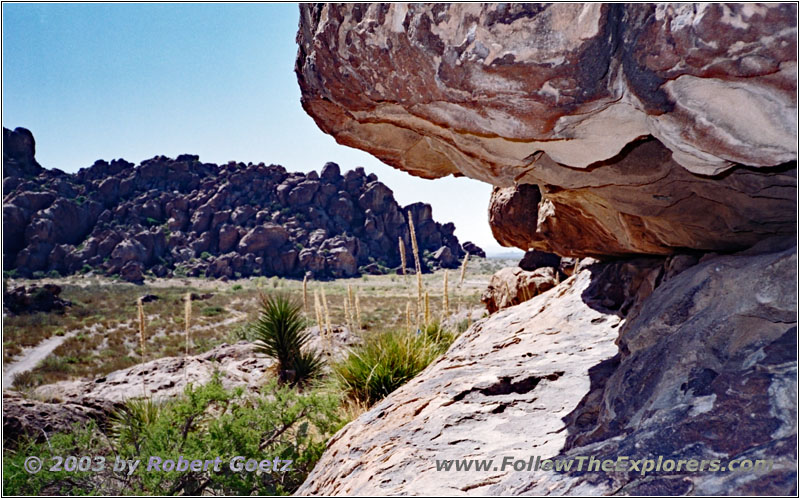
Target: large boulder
x=698, y=374
x=19, y=150
x=32, y=299
x=167, y=377
x=512, y=286
x=262, y=237
x=35, y=419
x=560, y=95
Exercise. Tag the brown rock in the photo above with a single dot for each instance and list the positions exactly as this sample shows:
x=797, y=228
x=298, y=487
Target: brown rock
x=341, y=263
x=512, y=216
x=263, y=237
x=644, y=202
x=228, y=236
x=534, y=259
x=552, y=95
x=168, y=376
x=23, y=417
x=512, y=286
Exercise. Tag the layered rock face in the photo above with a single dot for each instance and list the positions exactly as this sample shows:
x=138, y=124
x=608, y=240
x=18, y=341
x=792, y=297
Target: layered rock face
x=705, y=369
x=185, y=217
x=561, y=96
x=660, y=139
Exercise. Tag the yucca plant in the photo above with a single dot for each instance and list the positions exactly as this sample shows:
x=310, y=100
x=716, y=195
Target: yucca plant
x=280, y=334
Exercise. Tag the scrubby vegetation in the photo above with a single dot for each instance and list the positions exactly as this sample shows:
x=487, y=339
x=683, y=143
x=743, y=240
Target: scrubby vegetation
x=302, y=403
x=386, y=361
x=206, y=423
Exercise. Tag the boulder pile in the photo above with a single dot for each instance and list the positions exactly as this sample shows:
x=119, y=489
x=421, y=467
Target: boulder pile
x=182, y=217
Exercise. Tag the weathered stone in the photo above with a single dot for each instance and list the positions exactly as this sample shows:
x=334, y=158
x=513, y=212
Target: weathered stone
x=23, y=300
x=37, y=420
x=187, y=213
x=554, y=95
x=534, y=259
x=699, y=374
x=473, y=249
x=513, y=285
x=168, y=376
x=263, y=237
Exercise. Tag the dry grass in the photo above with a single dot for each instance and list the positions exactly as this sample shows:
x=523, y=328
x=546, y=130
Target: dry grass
x=104, y=318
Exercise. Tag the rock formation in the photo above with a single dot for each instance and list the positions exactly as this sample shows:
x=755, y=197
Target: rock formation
x=547, y=379
x=660, y=139
x=21, y=300
x=184, y=217
x=512, y=285
x=648, y=128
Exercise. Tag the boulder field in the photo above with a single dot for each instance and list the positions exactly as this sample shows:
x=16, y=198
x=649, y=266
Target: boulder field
x=182, y=217
x=660, y=140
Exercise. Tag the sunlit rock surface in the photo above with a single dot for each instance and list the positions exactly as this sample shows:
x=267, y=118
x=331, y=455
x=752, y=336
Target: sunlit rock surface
x=553, y=94
x=703, y=367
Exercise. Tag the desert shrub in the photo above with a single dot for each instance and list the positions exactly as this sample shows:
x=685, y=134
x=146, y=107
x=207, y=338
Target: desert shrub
x=26, y=380
x=242, y=332
x=280, y=333
x=206, y=422
x=386, y=361
x=212, y=310
x=236, y=287
x=83, y=440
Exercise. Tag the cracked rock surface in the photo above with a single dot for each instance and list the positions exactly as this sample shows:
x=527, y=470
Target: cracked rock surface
x=639, y=358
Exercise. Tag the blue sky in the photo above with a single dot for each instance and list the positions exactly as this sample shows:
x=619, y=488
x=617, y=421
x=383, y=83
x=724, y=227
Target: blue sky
x=105, y=81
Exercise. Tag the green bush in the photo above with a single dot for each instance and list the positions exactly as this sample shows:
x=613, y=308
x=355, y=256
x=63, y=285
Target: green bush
x=212, y=310
x=386, y=361
x=280, y=334
x=205, y=423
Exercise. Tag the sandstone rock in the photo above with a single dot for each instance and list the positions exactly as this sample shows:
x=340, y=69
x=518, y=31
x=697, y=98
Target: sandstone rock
x=643, y=202
x=185, y=213
x=242, y=214
x=556, y=95
x=132, y=272
x=511, y=217
x=341, y=263
x=695, y=365
x=129, y=250
x=330, y=172
x=19, y=149
x=445, y=258
x=303, y=192
x=228, y=237
x=512, y=286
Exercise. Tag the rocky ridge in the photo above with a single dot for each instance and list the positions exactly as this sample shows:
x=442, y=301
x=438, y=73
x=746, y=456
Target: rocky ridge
x=174, y=217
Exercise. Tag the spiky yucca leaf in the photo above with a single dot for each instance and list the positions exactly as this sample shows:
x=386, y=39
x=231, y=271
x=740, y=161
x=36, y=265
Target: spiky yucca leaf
x=280, y=333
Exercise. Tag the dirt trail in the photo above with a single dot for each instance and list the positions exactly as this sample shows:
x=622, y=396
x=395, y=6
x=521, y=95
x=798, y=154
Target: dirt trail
x=31, y=358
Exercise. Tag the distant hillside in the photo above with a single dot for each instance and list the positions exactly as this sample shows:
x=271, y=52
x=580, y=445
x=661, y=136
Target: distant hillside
x=182, y=217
